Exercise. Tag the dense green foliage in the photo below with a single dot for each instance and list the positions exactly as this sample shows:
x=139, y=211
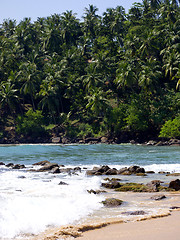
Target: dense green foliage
x=105, y=75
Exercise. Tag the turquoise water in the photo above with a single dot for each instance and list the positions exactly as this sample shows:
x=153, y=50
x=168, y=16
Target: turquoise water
x=91, y=154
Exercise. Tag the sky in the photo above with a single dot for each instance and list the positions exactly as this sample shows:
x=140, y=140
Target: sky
x=19, y=9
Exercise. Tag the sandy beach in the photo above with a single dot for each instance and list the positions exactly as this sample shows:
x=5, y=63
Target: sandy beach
x=155, y=229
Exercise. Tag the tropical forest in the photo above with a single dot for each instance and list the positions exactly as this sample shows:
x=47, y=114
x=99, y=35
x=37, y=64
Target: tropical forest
x=114, y=76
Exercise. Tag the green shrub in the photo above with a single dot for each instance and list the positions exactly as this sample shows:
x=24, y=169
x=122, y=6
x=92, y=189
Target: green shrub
x=171, y=128
x=31, y=124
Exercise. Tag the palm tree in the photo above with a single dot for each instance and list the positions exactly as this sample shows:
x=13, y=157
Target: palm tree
x=29, y=77
x=8, y=98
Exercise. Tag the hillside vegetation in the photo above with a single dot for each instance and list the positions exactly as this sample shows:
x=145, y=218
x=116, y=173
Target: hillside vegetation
x=115, y=75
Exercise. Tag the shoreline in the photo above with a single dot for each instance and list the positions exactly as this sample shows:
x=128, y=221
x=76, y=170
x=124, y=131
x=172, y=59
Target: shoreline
x=156, y=228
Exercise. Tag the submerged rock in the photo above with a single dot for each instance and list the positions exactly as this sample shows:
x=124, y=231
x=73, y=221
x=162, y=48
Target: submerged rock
x=140, y=212
x=63, y=183
x=112, y=202
x=158, y=197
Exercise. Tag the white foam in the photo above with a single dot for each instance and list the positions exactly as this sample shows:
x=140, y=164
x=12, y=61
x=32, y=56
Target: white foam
x=31, y=204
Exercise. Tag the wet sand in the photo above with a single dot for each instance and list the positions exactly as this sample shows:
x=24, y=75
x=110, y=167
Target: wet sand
x=164, y=228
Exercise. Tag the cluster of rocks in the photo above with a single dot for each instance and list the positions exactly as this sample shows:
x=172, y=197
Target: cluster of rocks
x=106, y=170
x=13, y=166
x=46, y=166
x=174, y=142
x=153, y=186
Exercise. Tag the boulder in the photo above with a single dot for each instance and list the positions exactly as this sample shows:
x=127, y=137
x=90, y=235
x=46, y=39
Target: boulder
x=112, y=202
x=158, y=197
x=111, y=171
x=10, y=165
x=1, y=163
x=18, y=166
x=122, y=170
x=175, y=185
x=48, y=167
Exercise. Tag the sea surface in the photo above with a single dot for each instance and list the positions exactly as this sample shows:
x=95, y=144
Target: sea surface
x=31, y=202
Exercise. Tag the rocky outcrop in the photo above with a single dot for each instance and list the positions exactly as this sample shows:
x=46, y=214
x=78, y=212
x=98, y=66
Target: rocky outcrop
x=1, y=163
x=154, y=185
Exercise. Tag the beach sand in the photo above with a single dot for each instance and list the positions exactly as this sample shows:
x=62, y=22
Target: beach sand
x=165, y=228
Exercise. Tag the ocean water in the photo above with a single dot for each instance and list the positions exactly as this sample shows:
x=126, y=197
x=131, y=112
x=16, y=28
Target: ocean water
x=31, y=201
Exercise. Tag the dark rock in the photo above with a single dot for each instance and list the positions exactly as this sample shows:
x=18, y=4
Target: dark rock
x=103, y=169
x=95, y=191
x=18, y=166
x=48, y=167
x=158, y=197
x=42, y=163
x=134, y=213
x=112, y=202
x=175, y=184
x=111, y=171
x=133, y=169
x=63, y=183
x=55, y=170
x=174, y=207
x=150, y=172
x=120, y=171
x=10, y=165
x=76, y=169
x=161, y=172
x=22, y=177
x=1, y=163
x=111, y=185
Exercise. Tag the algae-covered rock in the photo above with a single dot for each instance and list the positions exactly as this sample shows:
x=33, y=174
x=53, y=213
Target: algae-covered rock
x=112, y=202
x=133, y=187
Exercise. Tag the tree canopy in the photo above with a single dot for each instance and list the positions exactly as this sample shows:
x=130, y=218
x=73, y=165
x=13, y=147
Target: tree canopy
x=108, y=75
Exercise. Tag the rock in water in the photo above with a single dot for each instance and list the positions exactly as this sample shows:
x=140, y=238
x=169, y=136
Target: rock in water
x=112, y=202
